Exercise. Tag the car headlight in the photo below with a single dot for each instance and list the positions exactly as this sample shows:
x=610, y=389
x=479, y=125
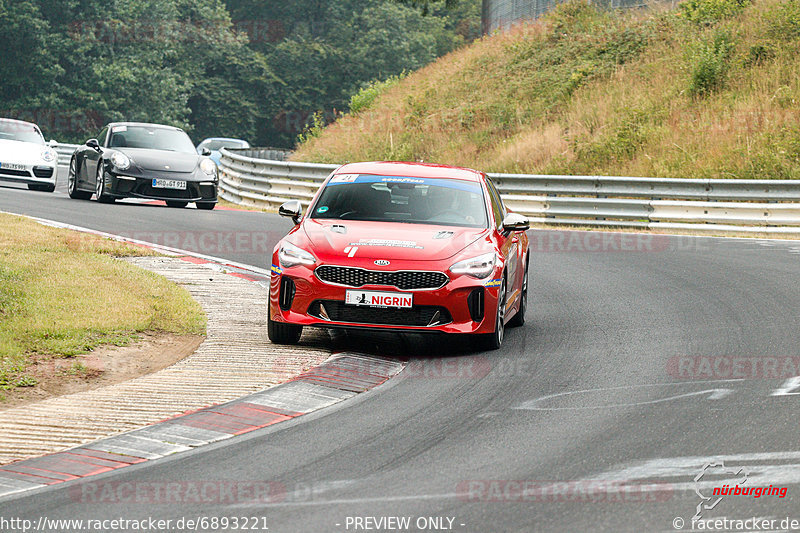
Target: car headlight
x=208, y=167
x=49, y=155
x=120, y=161
x=478, y=267
x=291, y=255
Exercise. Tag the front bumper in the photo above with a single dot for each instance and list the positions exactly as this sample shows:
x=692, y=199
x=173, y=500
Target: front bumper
x=123, y=186
x=44, y=174
x=462, y=305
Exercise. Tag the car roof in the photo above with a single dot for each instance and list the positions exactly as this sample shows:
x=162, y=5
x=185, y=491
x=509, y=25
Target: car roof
x=223, y=139
x=416, y=170
x=17, y=121
x=111, y=125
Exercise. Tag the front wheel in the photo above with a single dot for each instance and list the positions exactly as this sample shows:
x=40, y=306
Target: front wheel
x=72, y=182
x=175, y=203
x=206, y=205
x=519, y=319
x=494, y=340
x=281, y=333
x=100, y=191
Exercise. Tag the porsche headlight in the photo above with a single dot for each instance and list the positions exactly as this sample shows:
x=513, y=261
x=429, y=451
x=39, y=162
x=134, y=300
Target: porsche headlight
x=120, y=161
x=478, y=267
x=49, y=155
x=208, y=167
x=291, y=255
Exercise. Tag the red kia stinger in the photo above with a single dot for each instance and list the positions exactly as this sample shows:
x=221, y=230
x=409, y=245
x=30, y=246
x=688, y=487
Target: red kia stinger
x=401, y=246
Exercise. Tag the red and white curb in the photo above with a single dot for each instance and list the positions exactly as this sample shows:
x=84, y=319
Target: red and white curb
x=341, y=377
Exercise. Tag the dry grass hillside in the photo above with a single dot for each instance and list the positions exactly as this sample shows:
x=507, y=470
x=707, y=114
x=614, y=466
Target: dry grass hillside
x=710, y=89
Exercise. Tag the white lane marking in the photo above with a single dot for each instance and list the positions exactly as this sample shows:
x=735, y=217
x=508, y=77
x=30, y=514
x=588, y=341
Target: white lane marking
x=759, y=474
x=791, y=384
x=714, y=394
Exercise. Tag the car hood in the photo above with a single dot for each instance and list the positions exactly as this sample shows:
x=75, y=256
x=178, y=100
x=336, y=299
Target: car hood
x=334, y=240
x=161, y=160
x=20, y=152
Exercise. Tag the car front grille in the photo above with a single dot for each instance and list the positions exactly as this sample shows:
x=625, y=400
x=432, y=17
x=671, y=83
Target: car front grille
x=43, y=172
x=403, y=279
x=416, y=316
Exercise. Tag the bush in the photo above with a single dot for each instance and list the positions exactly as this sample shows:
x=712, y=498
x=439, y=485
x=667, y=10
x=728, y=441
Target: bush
x=367, y=95
x=783, y=20
x=708, y=12
x=710, y=62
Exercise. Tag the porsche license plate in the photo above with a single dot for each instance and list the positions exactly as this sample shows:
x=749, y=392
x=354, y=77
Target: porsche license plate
x=379, y=299
x=12, y=166
x=160, y=183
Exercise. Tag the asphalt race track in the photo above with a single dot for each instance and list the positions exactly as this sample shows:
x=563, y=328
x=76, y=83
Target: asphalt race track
x=645, y=362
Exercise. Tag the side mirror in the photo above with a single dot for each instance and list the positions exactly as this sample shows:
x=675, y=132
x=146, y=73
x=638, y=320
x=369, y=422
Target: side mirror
x=515, y=222
x=205, y=151
x=92, y=143
x=52, y=143
x=292, y=209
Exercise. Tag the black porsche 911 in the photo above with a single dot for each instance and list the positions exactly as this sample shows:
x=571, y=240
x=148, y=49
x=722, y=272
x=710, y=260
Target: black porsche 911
x=135, y=160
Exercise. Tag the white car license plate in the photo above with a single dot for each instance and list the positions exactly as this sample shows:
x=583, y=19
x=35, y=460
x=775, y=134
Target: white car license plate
x=159, y=183
x=379, y=299
x=12, y=166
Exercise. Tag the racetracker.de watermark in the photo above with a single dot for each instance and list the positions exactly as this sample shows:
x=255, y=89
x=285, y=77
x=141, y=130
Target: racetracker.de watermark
x=586, y=491
x=572, y=241
x=204, y=242
x=54, y=120
x=177, y=492
x=733, y=367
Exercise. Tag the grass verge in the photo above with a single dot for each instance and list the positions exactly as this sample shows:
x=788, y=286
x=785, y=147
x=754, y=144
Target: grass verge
x=63, y=293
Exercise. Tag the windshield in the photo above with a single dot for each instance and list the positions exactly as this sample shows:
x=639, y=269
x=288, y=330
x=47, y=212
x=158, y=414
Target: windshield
x=151, y=137
x=20, y=131
x=228, y=143
x=444, y=202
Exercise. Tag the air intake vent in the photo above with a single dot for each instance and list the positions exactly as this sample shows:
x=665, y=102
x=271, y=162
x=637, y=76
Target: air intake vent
x=420, y=316
x=286, y=296
x=43, y=172
x=475, y=303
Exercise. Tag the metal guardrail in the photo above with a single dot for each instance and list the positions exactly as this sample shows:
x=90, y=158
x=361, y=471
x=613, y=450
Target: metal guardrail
x=707, y=205
x=65, y=152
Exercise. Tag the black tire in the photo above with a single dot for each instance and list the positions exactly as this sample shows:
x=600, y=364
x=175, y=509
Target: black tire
x=72, y=182
x=206, y=205
x=494, y=340
x=42, y=187
x=281, y=333
x=176, y=203
x=100, y=191
x=519, y=318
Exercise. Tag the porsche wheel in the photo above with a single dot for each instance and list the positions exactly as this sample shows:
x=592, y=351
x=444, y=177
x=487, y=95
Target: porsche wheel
x=72, y=182
x=100, y=191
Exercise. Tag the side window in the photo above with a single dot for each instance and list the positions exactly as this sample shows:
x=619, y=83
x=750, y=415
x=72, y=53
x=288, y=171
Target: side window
x=101, y=137
x=497, y=204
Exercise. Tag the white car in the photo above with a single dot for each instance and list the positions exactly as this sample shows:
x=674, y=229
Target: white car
x=25, y=157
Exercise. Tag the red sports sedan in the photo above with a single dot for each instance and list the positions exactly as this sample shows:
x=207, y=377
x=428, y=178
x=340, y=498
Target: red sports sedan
x=401, y=246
